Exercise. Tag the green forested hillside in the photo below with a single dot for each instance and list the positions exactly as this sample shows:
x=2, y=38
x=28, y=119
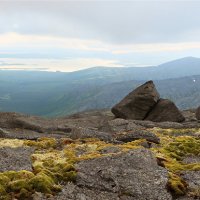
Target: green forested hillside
x=54, y=94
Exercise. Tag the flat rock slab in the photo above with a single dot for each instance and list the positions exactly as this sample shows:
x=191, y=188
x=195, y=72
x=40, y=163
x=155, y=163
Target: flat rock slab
x=134, y=175
x=82, y=133
x=138, y=134
x=15, y=158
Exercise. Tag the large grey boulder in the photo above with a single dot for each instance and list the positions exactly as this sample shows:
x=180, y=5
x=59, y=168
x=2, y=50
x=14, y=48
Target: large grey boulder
x=197, y=113
x=130, y=175
x=165, y=110
x=138, y=103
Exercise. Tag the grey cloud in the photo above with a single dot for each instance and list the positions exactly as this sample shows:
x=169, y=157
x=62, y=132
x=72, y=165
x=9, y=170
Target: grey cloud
x=115, y=22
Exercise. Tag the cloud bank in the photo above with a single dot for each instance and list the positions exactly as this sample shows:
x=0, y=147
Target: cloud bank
x=107, y=33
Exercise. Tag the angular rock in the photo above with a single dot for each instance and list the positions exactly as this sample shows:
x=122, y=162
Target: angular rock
x=131, y=175
x=165, y=110
x=138, y=134
x=138, y=103
x=197, y=113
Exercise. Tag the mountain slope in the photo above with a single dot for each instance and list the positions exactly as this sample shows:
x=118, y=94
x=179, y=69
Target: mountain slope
x=54, y=94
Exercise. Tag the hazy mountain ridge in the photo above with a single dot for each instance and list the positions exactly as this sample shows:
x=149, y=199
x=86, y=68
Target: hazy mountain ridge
x=53, y=94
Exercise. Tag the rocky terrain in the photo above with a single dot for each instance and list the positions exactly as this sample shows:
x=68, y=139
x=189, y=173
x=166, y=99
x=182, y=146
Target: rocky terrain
x=146, y=150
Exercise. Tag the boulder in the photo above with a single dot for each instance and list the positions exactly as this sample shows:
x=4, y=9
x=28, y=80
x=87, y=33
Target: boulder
x=138, y=103
x=197, y=113
x=165, y=110
x=130, y=175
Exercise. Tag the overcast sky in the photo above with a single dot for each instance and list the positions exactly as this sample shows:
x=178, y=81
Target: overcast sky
x=73, y=35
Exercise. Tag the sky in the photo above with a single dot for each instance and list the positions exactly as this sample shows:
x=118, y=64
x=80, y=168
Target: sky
x=60, y=35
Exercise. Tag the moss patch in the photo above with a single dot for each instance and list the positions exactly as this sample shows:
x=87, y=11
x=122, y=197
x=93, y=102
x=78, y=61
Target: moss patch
x=13, y=143
x=53, y=161
x=177, y=185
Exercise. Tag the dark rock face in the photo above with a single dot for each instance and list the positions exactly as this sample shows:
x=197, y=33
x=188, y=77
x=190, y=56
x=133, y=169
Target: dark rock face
x=144, y=104
x=165, y=110
x=134, y=175
x=137, y=104
x=197, y=113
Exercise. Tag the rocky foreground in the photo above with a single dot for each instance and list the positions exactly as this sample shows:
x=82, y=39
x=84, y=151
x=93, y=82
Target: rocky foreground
x=94, y=155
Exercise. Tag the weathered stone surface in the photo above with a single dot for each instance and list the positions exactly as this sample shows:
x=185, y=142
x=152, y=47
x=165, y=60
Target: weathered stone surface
x=193, y=180
x=3, y=133
x=191, y=159
x=73, y=192
x=138, y=103
x=197, y=113
x=82, y=133
x=138, y=134
x=119, y=125
x=132, y=175
x=165, y=110
x=15, y=158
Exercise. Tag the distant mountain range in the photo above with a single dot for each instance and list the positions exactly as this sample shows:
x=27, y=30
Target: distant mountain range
x=56, y=94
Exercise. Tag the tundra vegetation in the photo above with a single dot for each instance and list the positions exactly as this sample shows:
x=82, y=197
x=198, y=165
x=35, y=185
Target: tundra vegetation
x=54, y=161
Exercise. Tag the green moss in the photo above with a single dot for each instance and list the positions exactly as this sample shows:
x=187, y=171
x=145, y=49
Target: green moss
x=53, y=166
x=23, y=194
x=12, y=143
x=183, y=146
x=23, y=174
x=17, y=185
x=43, y=183
x=4, y=180
x=42, y=143
x=2, y=190
x=177, y=185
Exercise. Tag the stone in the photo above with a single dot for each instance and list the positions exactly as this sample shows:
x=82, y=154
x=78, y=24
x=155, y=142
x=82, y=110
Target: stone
x=131, y=175
x=197, y=113
x=165, y=110
x=16, y=159
x=138, y=134
x=83, y=133
x=3, y=133
x=120, y=125
x=138, y=103
x=193, y=180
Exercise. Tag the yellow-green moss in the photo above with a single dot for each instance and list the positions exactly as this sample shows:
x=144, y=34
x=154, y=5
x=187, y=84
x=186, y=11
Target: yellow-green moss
x=17, y=185
x=52, y=166
x=183, y=146
x=42, y=143
x=177, y=185
x=13, y=143
x=43, y=183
